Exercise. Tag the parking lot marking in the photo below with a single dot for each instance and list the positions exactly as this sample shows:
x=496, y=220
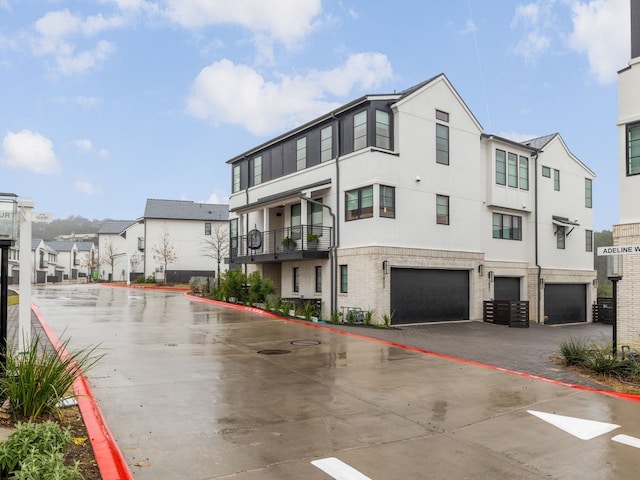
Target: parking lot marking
x=627, y=440
x=578, y=427
x=338, y=469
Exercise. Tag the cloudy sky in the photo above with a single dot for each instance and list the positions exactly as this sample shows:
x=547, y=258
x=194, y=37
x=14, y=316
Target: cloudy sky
x=106, y=103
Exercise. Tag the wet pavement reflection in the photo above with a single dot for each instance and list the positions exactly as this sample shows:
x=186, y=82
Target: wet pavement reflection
x=186, y=394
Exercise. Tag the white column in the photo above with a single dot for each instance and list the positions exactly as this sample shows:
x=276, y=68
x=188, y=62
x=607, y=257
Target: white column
x=24, y=312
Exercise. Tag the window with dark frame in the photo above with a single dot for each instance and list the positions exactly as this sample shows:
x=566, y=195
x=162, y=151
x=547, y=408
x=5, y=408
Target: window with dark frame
x=501, y=167
x=556, y=180
x=387, y=201
x=236, y=178
x=326, y=143
x=344, y=279
x=546, y=172
x=442, y=144
x=383, y=130
x=507, y=227
x=296, y=279
x=359, y=203
x=512, y=170
x=301, y=153
x=314, y=217
x=442, y=116
x=296, y=221
x=359, y=130
x=318, y=279
x=588, y=237
x=524, y=173
x=633, y=149
x=233, y=235
x=588, y=193
x=207, y=228
x=442, y=210
x=257, y=170
x=560, y=237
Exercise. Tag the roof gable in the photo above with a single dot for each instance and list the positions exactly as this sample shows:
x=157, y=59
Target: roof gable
x=114, y=227
x=185, y=210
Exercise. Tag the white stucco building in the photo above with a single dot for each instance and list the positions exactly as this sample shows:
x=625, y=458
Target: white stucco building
x=627, y=232
x=419, y=213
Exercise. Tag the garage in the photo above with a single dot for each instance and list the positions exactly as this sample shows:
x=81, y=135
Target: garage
x=429, y=295
x=565, y=303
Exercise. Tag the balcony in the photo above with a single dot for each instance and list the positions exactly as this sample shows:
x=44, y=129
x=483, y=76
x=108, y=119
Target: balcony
x=292, y=243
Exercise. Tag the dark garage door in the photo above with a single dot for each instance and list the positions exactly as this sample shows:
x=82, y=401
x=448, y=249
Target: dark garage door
x=419, y=296
x=506, y=288
x=565, y=303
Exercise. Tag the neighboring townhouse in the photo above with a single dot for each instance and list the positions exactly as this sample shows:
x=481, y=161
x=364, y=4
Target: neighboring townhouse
x=14, y=265
x=627, y=232
x=45, y=263
x=400, y=204
x=67, y=259
x=183, y=234
x=87, y=259
x=114, y=249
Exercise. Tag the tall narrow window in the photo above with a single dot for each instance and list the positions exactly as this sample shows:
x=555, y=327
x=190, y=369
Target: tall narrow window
x=501, y=167
x=296, y=279
x=556, y=180
x=296, y=221
x=512, y=170
x=560, y=238
x=588, y=240
x=207, y=228
x=588, y=193
x=236, y=178
x=257, y=170
x=326, y=144
x=442, y=209
x=442, y=144
x=314, y=217
x=633, y=149
x=359, y=203
x=344, y=279
x=359, y=130
x=387, y=201
x=383, y=130
x=301, y=153
x=524, y=173
x=233, y=236
x=318, y=279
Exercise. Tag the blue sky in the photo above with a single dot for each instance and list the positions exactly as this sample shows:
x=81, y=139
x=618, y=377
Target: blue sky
x=107, y=103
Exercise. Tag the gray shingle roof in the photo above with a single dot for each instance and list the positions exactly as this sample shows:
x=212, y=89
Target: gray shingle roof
x=540, y=142
x=60, y=246
x=185, y=210
x=84, y=246
x=115, y=227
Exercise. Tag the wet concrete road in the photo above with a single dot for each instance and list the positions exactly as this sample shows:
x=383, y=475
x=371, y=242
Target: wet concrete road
x=187, y=396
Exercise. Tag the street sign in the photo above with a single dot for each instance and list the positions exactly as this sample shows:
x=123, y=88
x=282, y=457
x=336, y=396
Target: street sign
x=619, y=250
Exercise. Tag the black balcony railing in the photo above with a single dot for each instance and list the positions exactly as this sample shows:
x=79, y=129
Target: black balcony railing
x=297, y=241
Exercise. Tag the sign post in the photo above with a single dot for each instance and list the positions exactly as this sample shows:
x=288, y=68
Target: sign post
x=615, y=255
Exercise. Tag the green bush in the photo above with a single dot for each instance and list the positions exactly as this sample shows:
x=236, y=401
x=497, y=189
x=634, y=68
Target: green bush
x=232, y=285
x=575, y=351
x=36, y=380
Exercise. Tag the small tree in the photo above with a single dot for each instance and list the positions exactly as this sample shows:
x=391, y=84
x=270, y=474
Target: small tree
x=108, y=255
x=233, y=282
x=164, y=251
x=216, y=245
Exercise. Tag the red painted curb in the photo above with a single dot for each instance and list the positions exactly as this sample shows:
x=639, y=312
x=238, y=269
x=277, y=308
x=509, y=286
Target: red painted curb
x=624, y=396
x=111, y=463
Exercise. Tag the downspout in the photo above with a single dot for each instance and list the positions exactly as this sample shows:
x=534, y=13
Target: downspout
x=536, y=246
x=246, y=202
x=336, y=230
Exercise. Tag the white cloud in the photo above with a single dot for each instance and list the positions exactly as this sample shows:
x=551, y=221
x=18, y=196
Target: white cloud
x=225, y=92
x=215, y=199
x=601, y=30
x=103, y=153
x=27, y=150
x=535, y=23
x=84, y=61
x=86, y=187
x=83, y=144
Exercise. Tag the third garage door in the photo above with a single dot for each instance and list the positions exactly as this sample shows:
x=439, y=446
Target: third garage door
x=429, y=295
x=565, y=303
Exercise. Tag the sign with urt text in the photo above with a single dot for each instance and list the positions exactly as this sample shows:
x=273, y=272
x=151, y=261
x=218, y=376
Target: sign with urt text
x=8, y=225
x=619, y=250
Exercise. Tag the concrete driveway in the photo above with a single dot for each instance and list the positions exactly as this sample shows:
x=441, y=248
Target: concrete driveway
x=187, y=395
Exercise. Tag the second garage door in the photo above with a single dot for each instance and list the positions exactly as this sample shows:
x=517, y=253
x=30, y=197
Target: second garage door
x=431, y=295
x=565, y=303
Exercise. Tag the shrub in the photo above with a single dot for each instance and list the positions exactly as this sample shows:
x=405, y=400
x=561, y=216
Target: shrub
x=335, y=317
x=575, y=351
x=368, y=317
x=232, y=285
x=36, y=380
x=309, y=311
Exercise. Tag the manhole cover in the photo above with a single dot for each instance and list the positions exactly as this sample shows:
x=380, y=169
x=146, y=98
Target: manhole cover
x=274, y=351
x=305, y=342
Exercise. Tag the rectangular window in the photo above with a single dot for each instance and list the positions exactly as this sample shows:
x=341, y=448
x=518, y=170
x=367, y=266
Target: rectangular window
x=560, y=238
x=512, y=170
x=588, y=193
x=442, y=116
x=296, y=221
x=501, y=167
x=359, y=203
x=296, y=279
x=257, y=170
x=508, y=227
x=442, y=144
x=588, y=240
x=633, y=149
x=556, y=180
x=524, y=173
x=301, y=153
x=359, y=130
x=442, y=210
x=207, y=228
x=236, y=178
x=387, y=201
x=546, y=172
x=383, y=130
x=344, y=279
x=326, y=144
x=314, y=217
x=318, y=279
x=233, y=235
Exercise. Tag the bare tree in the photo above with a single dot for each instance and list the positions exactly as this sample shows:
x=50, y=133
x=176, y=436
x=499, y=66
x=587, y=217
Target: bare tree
x=163, y=250
x=216, y=245
x=91, y=263
x=134, y=261
x=108, y=255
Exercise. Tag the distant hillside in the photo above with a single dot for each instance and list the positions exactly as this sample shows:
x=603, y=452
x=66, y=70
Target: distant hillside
x=66, y=226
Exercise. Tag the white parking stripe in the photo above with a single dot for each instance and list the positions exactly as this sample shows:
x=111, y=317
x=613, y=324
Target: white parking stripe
x=578, y=427
x=338, y=469
x=627, y=440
